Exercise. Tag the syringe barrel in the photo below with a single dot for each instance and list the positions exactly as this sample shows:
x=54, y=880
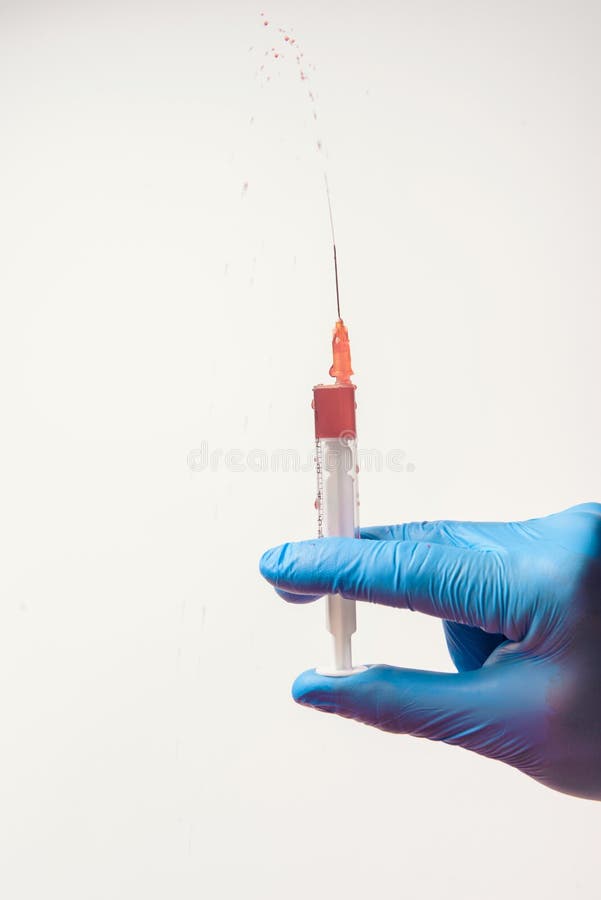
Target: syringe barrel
x=337, y=497
x=337, y=493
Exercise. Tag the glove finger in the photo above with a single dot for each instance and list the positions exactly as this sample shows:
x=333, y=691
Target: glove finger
x=475, y=710
x=467, y=586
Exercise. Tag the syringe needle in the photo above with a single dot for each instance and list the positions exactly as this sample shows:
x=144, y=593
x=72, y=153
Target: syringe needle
x=333, y=244
x=337, y=291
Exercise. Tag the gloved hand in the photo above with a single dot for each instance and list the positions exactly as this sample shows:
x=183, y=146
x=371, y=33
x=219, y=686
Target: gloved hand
x=522, y=608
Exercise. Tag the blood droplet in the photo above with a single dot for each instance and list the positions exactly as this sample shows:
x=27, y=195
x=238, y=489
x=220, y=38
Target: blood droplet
x=265, y=22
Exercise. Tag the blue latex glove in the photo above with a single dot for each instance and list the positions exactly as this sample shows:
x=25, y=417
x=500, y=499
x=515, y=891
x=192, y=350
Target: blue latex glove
x=522, y=608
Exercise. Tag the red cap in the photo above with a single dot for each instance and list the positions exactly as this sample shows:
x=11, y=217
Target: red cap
x=334, y=406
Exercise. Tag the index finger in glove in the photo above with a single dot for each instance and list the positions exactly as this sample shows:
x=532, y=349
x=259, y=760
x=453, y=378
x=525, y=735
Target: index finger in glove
x=454, y=583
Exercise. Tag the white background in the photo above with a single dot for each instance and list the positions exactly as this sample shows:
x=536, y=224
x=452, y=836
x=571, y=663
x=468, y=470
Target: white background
x=149, y=747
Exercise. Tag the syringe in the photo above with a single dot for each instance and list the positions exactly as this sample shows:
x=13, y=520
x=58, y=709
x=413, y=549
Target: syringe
x=336, y=465
x=337, y=495
x=337, y=490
